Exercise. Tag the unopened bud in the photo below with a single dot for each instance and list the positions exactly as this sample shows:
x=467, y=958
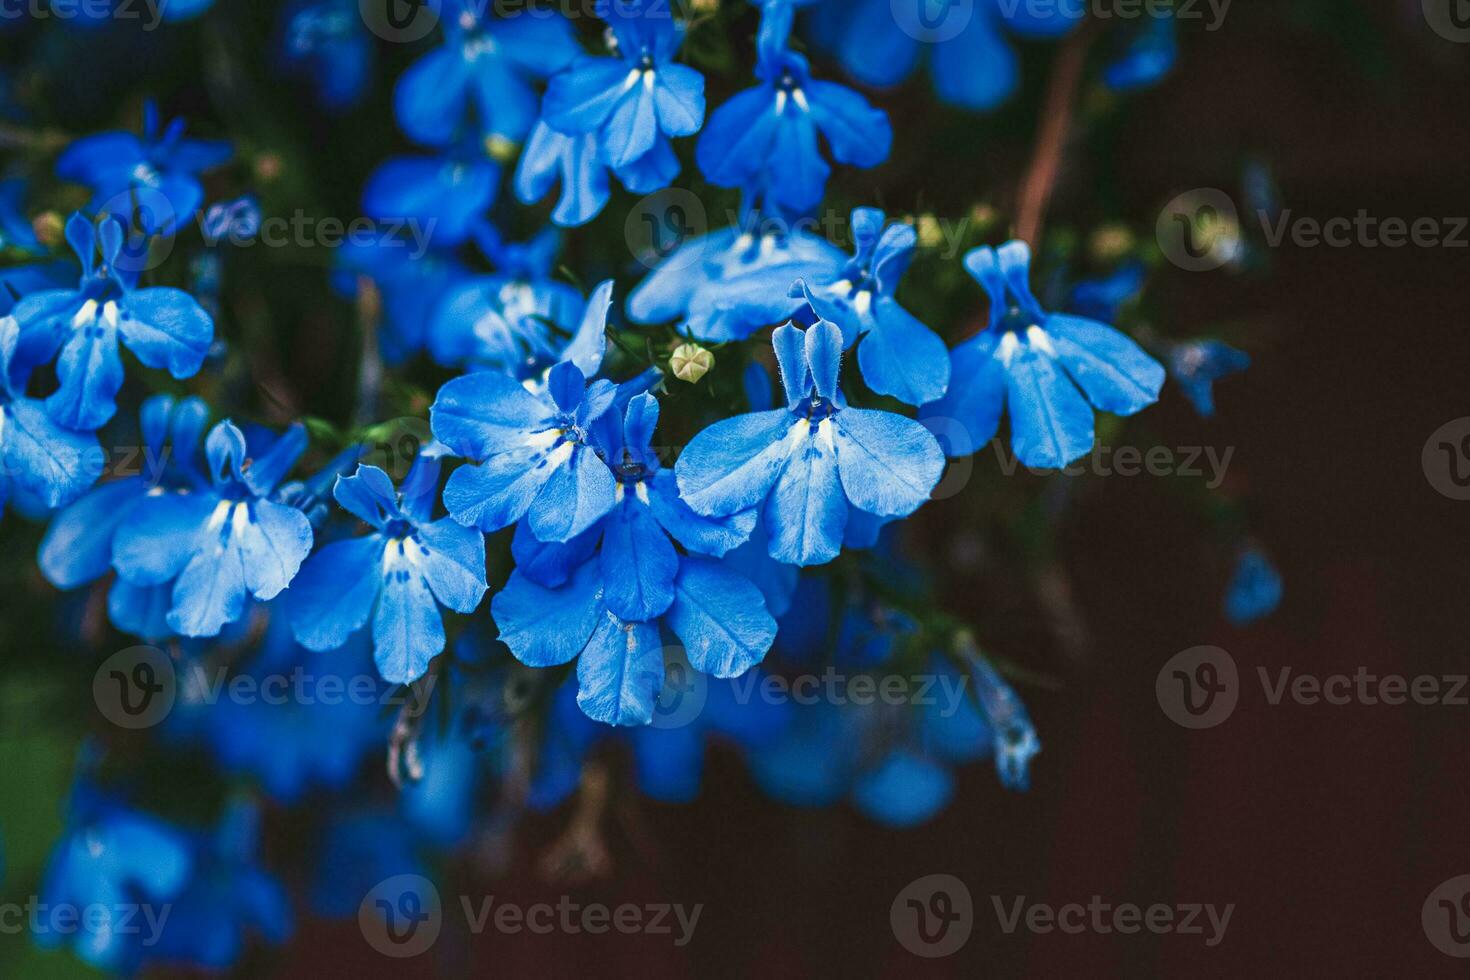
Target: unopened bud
x=690, y=362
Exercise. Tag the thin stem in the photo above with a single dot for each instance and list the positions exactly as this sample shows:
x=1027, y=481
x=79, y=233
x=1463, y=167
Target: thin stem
x=1056, y=120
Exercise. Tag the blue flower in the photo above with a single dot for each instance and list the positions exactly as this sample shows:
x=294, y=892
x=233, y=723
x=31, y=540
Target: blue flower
x=1149, y=51
x=221, y=541
x=764, y=140
x=162, y=326
x=404, y=568
x=77, y=548
x=533, y=451
x=634, y=102
x=575, y=161
x=481, y=73
x=517, y=321
x=728, y=284
x=160, y=170
x=882, y=42
x=1103, y=299
x=38, y=457
x=602, y=596
x=116, y=857
x=811, y=465
x=411, y=286
x=441, y=198
x=1196, y=366
x=328, y=42
x=1255, y=588
x=899, y=356
x=1051, y=369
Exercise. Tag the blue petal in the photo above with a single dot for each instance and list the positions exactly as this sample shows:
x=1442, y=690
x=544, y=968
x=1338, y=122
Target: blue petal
x=576, y=496
x=1051, y=423
x=738, y=141
x=904, y=791
x=91, y=373
x=807, y=512
x=209, y=593
x=720, y=617
x=497, y=493
x=53, y=463
x=431, y=98
x=889, y=463
x=368, y=495
x=791, y=358
x=141, y=610
x=875, y=49
x=652, y=171
x=167, y=329
x=408, y=631
x=577, y=161
x=78, y=545
x=620, y=672
x=632, y=130
x=701, y=535
x=967, y=417
x=679, y=95
x=549, y=627
x=481, y=415
x=588, y=345
x=550, y=563
x=976, y=69
x=273, y=543
x=731, y=466
x=857, y=133
x=580, y=99
x=161, y=536
x=455, y=564
x=638, y=563
x=333, y=596
x=824, y=357
x=268, y=468
x=1114, y=373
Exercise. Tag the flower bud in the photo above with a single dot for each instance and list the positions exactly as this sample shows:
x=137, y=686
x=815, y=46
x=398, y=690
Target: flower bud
x=690, y=362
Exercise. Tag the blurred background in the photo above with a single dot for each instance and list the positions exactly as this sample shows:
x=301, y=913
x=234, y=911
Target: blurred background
x=1325, y=826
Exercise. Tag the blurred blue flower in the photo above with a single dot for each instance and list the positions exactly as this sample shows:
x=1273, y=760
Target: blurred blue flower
x=327, y=42
x=1196, y=365
x=438, y=199
x=1051, y=369
x=1149, y=51
x=221, y=541
x=1255, y=588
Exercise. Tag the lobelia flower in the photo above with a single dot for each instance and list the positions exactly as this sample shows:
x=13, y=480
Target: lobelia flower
x=1049, y=370
x=1255, y=588
x=898, y=355
x=397, y=575
x=481, y=71
x=221, y=541
x=77, y=548
x=550, y=157
x=327, y=42
x=160, y=170
x=628, y=578
x=730, y=283
x=882, y=42
x=764, y=139
x=531, y=451
x=516, y=321
x=1196, y=365
x=813, y=464
x=38, y=457
x=440, y=199
x=636, y=101
x=163, y=327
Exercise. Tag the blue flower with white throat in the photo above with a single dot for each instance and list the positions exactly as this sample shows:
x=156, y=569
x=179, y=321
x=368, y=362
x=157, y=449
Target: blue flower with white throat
x=812, y=465
x=1050, y=370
